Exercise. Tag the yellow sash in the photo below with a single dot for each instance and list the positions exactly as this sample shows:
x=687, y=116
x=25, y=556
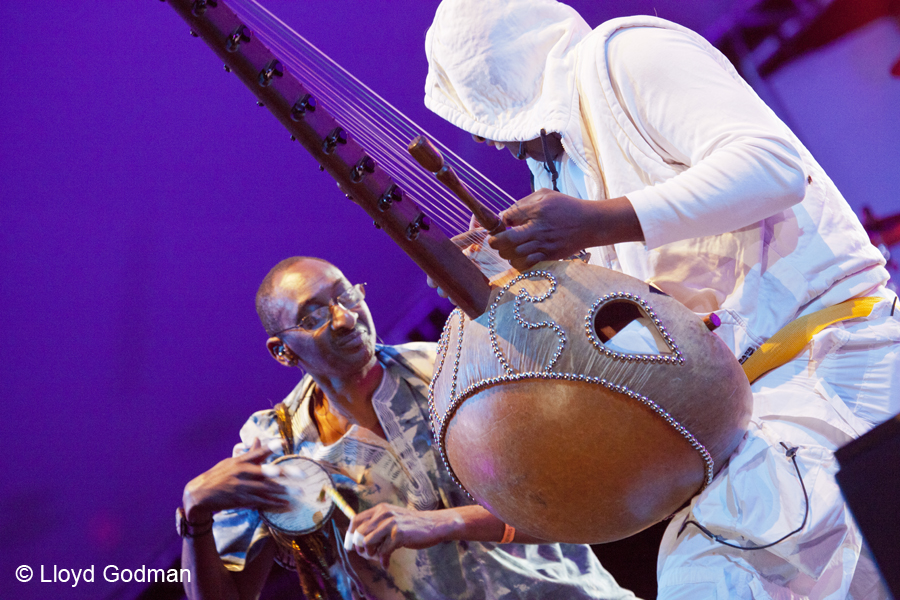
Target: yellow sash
x=790, y=339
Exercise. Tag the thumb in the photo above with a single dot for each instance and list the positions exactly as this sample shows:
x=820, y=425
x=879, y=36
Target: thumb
x=515, y=215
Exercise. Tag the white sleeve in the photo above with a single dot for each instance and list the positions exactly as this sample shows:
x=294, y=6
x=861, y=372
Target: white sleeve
x=737, y=161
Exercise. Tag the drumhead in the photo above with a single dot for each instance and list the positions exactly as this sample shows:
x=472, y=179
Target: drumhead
x=310, y=503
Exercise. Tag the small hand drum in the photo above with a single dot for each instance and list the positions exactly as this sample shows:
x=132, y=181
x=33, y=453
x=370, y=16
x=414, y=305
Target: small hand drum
x=311, y=493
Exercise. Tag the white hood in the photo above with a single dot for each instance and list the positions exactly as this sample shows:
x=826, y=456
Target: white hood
x=504, y=70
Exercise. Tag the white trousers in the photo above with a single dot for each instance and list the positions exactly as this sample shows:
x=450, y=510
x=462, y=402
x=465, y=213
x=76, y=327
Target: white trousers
x=845, y=381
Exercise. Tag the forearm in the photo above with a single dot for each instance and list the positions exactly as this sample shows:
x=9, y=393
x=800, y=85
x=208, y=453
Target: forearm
x=612, y=221
x=476, y=524
x=209, y=579
x=733, y=188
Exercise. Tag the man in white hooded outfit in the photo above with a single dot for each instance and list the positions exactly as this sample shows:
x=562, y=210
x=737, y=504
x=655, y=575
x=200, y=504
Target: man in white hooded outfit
x=672, y=170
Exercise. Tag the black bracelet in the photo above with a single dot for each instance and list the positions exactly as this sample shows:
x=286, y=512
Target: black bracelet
x=187, y=529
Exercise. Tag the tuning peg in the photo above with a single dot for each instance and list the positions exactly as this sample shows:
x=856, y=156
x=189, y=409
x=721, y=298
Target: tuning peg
x=337, y=136
x=272, y=70
x=365, y=165
x=199, y=6
x=239, y=35
x=421, y=223
x=305, y=104
x=392, y=195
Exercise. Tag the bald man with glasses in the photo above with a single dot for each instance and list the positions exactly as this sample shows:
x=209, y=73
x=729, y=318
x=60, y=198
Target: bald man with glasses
x=361, y=411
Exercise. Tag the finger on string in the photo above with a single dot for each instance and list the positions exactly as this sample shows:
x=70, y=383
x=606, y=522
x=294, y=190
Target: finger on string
x=471, y=236
x=514, y=215
x=502, y=241
x=472, y=243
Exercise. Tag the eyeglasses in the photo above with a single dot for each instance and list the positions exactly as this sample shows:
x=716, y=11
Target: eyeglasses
x=322, y=315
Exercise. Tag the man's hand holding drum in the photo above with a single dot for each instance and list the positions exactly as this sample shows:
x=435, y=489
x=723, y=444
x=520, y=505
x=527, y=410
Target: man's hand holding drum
x=236, y=482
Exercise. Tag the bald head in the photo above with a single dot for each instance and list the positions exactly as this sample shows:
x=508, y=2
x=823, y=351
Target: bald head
x=265, y=307
x=341, y=344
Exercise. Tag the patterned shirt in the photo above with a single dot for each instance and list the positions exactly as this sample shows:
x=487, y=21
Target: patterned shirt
x=405, y=470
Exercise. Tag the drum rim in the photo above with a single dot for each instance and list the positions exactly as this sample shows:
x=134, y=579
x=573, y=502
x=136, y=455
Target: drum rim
x=331, y=506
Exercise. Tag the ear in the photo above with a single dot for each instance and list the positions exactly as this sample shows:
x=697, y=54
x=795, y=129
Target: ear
x=280, y=352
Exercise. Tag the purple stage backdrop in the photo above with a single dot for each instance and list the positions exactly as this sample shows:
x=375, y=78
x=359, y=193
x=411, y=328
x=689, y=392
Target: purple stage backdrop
x=145, y=195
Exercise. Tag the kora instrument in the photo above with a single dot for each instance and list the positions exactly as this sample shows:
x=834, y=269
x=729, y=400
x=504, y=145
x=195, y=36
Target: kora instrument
x=536, y=414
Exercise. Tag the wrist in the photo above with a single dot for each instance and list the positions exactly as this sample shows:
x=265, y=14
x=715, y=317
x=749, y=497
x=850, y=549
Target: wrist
x=188, y=528
x=597, y=223
x=454, y=525
x=194, y=512
x=613, y=221
x=628, y=226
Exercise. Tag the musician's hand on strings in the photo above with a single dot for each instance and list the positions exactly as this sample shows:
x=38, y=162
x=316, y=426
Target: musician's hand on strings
x=237, y=482
x=375, y=533
x=548, y=225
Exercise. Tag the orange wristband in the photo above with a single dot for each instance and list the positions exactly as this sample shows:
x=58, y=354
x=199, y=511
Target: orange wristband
x=508, y=534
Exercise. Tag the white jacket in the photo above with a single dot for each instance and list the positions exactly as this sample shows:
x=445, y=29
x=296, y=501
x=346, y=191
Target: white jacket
x=737, y=216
